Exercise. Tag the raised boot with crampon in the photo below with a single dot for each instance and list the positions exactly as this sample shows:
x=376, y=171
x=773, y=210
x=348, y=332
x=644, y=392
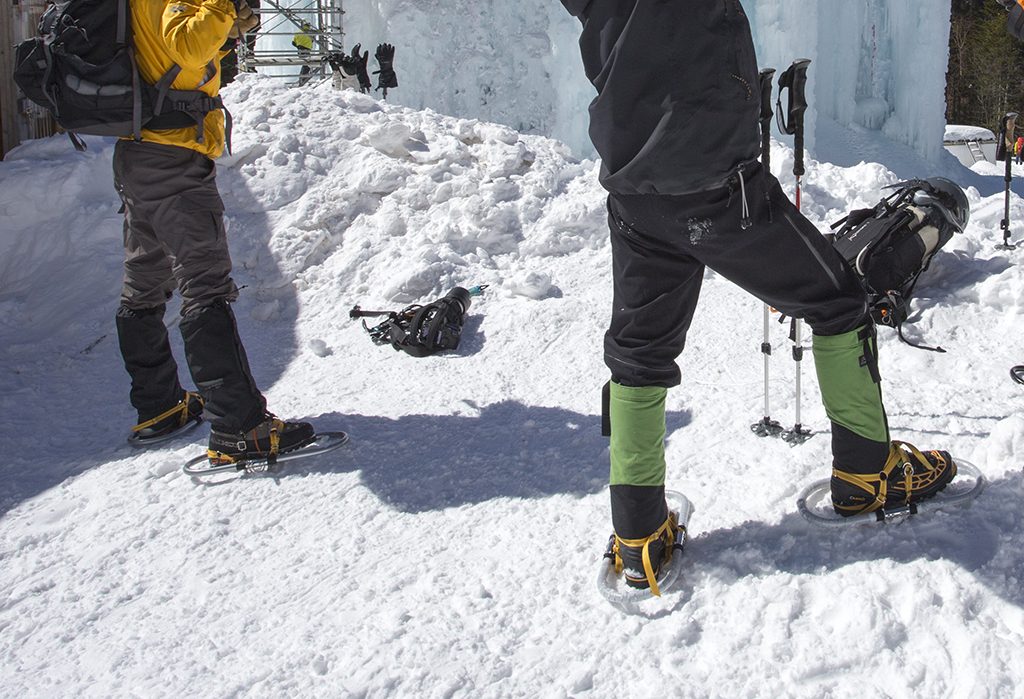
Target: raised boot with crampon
x=908, y=476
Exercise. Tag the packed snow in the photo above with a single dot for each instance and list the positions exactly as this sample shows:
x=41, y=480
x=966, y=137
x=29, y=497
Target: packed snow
x=451, y=549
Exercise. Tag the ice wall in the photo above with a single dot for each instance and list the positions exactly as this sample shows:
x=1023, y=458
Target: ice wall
x=877, y=64
x=515, y=63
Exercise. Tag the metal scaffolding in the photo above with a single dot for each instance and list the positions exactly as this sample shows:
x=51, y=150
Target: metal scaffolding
x=278, y=19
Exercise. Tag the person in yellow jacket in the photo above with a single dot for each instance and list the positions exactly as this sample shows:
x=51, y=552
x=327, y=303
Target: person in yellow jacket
x=303, y=43
x=174, y=237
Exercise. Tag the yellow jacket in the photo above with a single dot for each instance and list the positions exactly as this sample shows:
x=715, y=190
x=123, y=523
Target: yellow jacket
x=302, y=40
x=190, y=34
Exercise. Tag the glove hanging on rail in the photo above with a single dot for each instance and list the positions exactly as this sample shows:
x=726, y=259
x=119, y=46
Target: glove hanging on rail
x=387, y=79
x=356, y=63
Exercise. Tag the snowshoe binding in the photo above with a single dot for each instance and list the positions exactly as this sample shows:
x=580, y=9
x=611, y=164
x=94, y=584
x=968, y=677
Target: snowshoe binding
x=634, y=570
x=909, y=482
x=179, y=419
x=260, y=449
x=264, y=441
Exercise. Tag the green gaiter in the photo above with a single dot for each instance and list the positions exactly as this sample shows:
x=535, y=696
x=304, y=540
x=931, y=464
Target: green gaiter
x=850, y=394
x=637, y=416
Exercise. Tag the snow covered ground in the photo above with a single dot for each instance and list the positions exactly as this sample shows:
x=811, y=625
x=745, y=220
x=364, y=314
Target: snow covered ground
x=450, y=550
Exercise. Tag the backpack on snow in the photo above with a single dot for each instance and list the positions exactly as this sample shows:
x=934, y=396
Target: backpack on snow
x=423, y=330
x=81, y=68
x=891, y=245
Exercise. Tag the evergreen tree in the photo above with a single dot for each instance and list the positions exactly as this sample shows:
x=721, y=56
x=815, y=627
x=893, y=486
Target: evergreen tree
x=986, y=66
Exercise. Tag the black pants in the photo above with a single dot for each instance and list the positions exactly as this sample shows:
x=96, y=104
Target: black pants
x=661, y=245
x=660, y=248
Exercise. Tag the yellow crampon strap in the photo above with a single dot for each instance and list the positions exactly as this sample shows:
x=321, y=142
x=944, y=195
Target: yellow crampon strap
x=219, y=457
x=900, y=454
x=275, y=438
x=667, y=530
x=181, y=407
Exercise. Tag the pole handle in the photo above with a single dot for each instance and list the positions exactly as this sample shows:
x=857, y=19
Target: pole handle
x=767, y=80
x=1004, y=145
x=794, y=79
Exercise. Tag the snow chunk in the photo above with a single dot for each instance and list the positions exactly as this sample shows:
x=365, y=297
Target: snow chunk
x=534, y=285
x=320, y=348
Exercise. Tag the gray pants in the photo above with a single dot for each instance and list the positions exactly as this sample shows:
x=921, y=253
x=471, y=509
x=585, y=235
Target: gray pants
x=174, y=237
x=173, y=227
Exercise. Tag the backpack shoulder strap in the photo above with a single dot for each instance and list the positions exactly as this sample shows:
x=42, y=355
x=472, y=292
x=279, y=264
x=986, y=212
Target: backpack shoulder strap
x=406, y=337
x=124, y=27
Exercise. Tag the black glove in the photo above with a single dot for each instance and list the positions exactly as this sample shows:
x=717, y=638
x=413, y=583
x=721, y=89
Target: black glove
x=385, y=56
x=359, y=63
x=348, y=64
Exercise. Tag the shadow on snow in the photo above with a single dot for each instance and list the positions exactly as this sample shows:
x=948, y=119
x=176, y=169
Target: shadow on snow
x=983, y=539
x=418, y=463
x=79, y=417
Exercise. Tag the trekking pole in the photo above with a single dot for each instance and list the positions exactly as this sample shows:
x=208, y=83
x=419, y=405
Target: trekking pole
x=1005, y=148
x=795, y=80
x=766, y=427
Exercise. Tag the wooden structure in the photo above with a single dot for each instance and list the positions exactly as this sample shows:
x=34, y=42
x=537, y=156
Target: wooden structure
x=20, y=120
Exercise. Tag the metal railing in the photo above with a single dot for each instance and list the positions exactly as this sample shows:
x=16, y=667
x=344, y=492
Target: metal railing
x=277, y=19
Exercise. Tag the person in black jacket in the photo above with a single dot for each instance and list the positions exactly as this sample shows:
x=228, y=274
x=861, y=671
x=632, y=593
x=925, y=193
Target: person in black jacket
x=675, y=121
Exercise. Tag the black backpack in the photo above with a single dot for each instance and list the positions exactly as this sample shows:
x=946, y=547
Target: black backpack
x=81, y=67
x=891, y=245
x=423, y=330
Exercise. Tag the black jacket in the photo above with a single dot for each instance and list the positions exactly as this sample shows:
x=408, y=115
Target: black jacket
x=678, y=102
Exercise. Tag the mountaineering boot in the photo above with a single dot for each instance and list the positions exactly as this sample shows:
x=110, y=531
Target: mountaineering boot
x=146, y=351
x=908, y=476
x=869, y=472
x=188, y=409
x=266, y=440
x=640, y=561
